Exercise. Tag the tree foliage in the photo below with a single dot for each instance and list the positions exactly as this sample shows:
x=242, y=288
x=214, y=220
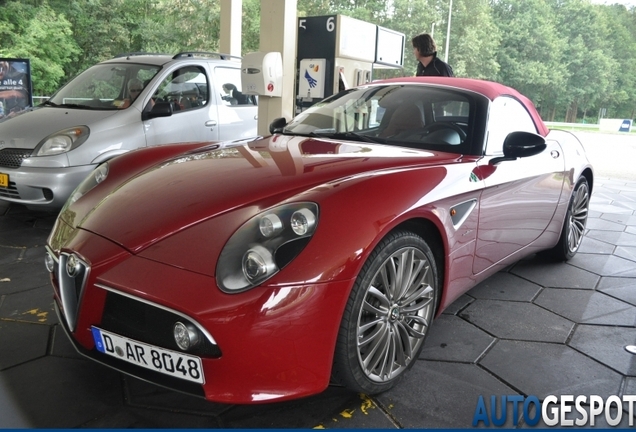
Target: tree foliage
x=40, y=34
x=475, y=40
x=530, y=57
x=622, y=43
x=571, y=57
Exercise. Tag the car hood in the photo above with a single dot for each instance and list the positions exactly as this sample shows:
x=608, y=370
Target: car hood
x=182, y=191
x=29, y=128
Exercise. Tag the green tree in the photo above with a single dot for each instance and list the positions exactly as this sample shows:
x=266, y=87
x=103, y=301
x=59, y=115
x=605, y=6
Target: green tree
x=187, y=25
x=366, y=10
x=531, y=51
x=590, y=68
x=569, y=56
x=622, y=38
x=251, y=26
x=475, y=40
x=105, y=28
x=41, y=35
x=99, y=30
x=413, y=17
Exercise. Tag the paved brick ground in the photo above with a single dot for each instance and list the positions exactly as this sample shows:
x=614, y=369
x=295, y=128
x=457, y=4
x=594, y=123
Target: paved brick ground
x=537, y=328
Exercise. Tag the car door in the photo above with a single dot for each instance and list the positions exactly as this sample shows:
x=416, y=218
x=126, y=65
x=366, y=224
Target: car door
x=194, y=117
x=238, y=112
x=520, y=196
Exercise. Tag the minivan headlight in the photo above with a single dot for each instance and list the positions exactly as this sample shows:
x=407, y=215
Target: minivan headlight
x=62, y=141
x=265, y=244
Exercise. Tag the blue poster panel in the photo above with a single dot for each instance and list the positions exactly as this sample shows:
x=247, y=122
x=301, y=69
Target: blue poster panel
x=15, y=87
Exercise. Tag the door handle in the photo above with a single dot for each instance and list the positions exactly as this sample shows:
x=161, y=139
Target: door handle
x=211, y=123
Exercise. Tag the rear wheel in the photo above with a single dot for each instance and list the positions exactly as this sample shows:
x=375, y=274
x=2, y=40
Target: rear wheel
x=574, y=223
x=388, y=314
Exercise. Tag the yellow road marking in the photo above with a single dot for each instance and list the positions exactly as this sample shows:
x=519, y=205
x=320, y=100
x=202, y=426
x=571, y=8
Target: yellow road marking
x=348, y=413
x=42, y=315
x=367, y=403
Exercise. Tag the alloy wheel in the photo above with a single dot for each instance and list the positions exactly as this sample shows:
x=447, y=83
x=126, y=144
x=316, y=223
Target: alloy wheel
x=395, y=315
x=578, y=217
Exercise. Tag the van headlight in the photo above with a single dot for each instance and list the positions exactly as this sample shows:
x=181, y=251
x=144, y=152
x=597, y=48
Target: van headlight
x=265, y=244
x=62, y=141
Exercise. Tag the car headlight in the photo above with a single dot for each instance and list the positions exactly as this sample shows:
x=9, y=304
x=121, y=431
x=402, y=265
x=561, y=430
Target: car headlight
x=62, y=141
x=265, y=244
x=98, y=175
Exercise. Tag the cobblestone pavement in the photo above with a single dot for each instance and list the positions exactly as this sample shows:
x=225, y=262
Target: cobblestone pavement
x=537, y=328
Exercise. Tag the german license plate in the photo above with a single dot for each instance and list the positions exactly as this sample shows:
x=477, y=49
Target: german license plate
x=4, y=180
x=151, y=357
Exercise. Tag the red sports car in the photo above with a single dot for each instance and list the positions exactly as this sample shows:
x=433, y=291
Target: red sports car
x=262, y=270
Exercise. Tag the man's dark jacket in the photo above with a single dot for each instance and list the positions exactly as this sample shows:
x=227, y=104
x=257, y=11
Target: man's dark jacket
x=436, y=67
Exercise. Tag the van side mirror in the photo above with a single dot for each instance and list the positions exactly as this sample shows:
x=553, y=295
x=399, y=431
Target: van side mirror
x=160, y=109
x=520, y=144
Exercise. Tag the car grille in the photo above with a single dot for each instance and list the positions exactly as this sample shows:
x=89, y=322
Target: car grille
x=13, y=157
x=70, y=282
x=147, y=323
x=9, y=192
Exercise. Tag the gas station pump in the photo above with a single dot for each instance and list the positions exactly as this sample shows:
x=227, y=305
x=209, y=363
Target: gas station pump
x=336, y=52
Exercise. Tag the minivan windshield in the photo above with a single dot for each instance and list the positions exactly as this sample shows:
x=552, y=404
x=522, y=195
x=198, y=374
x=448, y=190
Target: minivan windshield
x=104, y=87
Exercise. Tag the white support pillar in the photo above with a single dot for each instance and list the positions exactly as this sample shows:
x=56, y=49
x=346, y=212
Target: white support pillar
x=231, y=21
x=278, y=33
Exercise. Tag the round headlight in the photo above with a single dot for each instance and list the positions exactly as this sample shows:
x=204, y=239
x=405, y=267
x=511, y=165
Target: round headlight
x=264, y=245
x=270, y=224
x=185, y=336
x=303, y=221
x=49, y=262
x=258, y=262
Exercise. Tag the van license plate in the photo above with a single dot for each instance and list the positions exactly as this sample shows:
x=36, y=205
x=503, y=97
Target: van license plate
x=4, y=180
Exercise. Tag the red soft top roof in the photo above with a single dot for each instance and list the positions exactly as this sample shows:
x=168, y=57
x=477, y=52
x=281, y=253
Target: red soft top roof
x=489, y=89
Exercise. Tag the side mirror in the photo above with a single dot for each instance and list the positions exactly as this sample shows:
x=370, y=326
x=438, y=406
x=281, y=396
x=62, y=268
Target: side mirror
x=277, y=125
x=520, y=144
x=160, y=109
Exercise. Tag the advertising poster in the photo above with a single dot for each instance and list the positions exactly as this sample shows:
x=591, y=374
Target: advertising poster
x=15, y=87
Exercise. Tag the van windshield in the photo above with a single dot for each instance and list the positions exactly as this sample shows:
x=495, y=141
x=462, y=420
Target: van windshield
x=104, y=87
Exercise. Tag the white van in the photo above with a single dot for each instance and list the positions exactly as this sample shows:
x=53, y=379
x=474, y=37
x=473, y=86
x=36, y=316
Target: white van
x=116, y=106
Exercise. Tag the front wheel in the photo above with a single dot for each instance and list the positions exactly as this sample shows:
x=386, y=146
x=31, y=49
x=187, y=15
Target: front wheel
x=388, y=314
x=574, y=223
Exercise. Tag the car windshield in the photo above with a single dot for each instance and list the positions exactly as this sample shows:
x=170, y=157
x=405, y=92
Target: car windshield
x=415, y=116
x=108, y=86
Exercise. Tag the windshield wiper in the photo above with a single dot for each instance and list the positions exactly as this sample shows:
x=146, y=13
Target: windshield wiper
x=48, y=102
x=72, y=105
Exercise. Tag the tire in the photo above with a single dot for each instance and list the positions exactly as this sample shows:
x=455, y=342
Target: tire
x=574, y=223
x=386, y=320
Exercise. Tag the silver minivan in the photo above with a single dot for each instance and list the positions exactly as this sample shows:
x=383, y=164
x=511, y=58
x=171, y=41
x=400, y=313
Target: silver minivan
x=116, y=106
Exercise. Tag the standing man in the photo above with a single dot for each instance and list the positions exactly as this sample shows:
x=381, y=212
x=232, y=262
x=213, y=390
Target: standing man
x=428, y=64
